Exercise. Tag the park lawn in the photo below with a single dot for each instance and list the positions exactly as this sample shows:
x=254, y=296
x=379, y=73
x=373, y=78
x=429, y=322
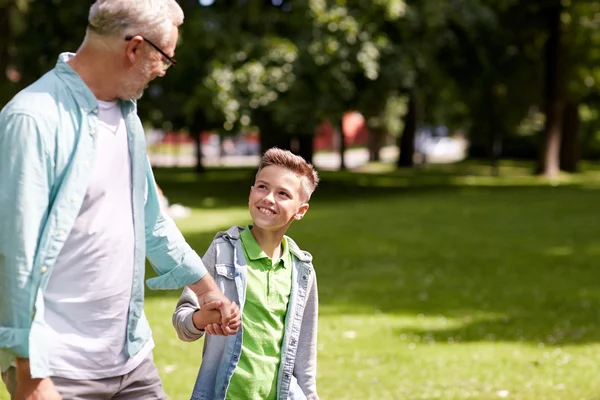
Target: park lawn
x=437, y=283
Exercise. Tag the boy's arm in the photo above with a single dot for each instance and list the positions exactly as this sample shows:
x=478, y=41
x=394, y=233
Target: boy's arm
x=188, y=307
x=305, y=368
x=183, y=321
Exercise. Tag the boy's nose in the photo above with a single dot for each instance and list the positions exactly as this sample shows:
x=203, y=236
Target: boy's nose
x=270, y=198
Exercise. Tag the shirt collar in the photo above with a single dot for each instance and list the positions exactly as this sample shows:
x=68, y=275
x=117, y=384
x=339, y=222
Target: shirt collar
x=254, y=252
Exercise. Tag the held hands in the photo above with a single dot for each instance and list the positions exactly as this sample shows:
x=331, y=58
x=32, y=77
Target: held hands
x=217, y=314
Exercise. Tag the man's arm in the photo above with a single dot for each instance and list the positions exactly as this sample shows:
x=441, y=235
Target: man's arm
x=177, y=264
x=25, y=170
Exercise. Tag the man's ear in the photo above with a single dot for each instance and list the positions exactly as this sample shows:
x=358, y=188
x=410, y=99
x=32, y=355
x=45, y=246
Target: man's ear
x=132, y=48
x=301, y=211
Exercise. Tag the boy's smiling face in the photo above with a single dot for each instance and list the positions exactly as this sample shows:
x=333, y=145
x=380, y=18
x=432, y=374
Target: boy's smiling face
x=277, y=198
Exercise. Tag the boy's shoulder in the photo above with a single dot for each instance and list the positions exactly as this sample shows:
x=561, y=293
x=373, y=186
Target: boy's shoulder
x=230, y=234
x=300, y=254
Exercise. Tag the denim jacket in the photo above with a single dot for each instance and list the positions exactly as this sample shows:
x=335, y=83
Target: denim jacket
x=47, y=144
x=297, y=372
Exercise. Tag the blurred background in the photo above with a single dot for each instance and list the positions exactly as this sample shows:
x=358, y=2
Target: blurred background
x=456, y=229
x=439, y=80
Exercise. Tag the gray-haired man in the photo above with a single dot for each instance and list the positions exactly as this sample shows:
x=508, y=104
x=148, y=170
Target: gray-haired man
x=80, y=214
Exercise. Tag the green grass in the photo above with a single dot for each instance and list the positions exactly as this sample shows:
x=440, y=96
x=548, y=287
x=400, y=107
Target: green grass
x=436, y=283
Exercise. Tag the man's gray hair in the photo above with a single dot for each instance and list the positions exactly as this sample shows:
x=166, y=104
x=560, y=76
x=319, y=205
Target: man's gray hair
x=151, y=18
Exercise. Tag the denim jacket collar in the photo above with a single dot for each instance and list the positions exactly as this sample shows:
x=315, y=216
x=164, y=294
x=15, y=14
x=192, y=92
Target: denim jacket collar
x=233, y=233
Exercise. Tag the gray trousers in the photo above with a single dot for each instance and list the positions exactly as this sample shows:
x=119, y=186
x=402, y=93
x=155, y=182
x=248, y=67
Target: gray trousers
x=143, y=383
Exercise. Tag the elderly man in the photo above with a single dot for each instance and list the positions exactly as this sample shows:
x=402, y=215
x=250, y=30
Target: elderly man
x=79, y=214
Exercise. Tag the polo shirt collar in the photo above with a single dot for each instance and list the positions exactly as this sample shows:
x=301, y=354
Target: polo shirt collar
x=254, y=252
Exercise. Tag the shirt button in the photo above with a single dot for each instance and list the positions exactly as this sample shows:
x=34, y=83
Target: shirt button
x=92, y=132
x=73, y=200
x=235, y=356
x=230, y=275
x=44, y=269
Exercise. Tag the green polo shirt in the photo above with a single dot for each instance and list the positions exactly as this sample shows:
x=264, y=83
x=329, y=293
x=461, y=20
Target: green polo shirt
x=267, y=293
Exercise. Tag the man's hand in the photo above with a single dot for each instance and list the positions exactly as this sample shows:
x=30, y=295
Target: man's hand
x=208, y=292
x=225, y=330
x=224, y=304
x=33, y=389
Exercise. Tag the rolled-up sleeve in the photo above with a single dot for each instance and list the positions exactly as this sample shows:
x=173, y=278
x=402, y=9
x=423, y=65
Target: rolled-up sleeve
x=24, y=199
x=175, y=262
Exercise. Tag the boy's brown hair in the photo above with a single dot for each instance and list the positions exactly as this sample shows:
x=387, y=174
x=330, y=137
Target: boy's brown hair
x=296, y=164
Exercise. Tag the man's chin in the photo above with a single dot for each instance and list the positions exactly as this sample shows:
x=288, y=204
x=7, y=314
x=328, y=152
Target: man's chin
x=130, y=97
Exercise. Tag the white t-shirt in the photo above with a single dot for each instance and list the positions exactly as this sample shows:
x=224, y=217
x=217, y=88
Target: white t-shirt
x=88, y=294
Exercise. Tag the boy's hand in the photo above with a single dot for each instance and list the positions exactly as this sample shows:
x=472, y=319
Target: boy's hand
x=224, y=304
x=208, y=314
x=230, y=329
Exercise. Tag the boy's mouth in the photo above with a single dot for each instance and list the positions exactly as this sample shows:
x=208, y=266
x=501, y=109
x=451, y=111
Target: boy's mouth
x=266, y=211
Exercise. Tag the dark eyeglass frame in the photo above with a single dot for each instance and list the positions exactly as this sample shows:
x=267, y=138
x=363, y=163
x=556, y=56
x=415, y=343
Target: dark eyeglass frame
x=168, y=63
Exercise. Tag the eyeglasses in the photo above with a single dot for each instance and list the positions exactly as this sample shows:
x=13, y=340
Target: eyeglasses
x=168, y=62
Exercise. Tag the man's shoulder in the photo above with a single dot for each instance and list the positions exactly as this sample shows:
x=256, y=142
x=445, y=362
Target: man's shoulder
x=40, y=100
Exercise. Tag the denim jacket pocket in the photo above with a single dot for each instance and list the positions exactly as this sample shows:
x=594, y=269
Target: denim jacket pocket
x=225, y=278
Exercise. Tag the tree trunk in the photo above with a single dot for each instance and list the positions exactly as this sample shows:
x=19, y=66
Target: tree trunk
x=272, y=137
x=198, y=150
x=406, y=141
x=342, y=147
x=376, y=137
x=196, y=131
x=5, y=11
x=306, y=148
x=5, y=35
x=548, y=156
x=270, y=134
x=493, y=127
x=570, y=148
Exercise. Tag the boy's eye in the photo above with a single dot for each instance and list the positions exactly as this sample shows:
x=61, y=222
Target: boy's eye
x=284, y=194
x=262, y=187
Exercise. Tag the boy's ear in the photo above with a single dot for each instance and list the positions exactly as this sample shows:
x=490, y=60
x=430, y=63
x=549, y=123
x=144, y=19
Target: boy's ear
x=301, y=211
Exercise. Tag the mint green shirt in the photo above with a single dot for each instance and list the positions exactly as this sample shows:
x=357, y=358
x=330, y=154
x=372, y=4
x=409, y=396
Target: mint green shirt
x=47, y=142
x=267, y=294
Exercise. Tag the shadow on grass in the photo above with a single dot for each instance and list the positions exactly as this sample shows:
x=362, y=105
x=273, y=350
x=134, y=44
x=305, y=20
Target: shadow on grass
x=513, y=262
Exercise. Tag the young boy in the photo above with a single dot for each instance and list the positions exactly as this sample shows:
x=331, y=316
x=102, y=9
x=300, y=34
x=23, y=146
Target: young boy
x=274, y=354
